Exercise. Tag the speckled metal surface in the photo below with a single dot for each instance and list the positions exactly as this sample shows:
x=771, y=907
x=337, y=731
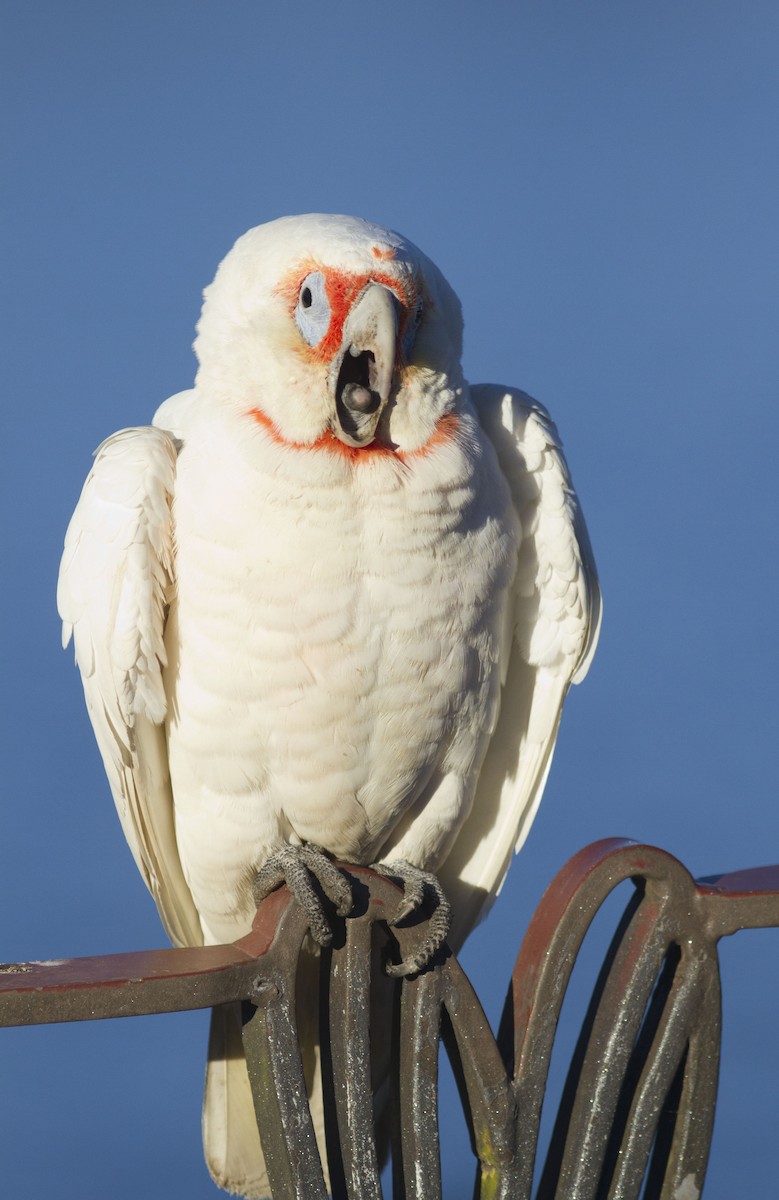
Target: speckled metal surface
x=638, y=1108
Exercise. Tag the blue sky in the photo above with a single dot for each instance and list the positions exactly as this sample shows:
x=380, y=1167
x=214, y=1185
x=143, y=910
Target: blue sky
x=600, y=183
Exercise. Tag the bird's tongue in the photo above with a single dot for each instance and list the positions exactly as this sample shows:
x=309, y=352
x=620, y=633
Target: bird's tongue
x=357, y=402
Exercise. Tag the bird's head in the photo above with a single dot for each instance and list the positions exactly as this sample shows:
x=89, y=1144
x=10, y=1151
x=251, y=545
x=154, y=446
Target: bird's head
x=330, y=330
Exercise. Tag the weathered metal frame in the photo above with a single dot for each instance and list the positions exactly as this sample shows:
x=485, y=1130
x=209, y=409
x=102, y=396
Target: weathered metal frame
x=638, y=1107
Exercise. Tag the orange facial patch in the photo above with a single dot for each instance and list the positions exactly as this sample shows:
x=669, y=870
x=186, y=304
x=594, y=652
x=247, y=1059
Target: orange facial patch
x=385, y=255
x=342, y=289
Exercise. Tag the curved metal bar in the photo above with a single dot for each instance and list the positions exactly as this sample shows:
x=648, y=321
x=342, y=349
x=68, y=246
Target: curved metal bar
x=350, y=1054
x=693, y=1114
x=614, y=1030
x=626, y=1042
x=542, y=973
x=659, y=1054
x=638, y=1107
x=420, y=1031
x=275, y=1067
x=491, y=1107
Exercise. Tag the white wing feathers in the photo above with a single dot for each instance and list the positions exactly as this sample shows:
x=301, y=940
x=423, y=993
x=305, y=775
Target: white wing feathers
x=113, y=589
x=558, y=605
x=553, y=631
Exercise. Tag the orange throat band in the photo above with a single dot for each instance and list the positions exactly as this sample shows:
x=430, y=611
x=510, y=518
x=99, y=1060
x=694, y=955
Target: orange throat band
x=444, y=432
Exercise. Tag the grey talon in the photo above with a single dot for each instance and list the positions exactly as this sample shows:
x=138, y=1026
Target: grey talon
x=333, y=882
x=294, y=865
x=415, y=883
x=405, y=910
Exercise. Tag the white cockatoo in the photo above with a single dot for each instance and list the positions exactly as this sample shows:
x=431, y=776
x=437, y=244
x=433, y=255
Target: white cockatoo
x=333, y=595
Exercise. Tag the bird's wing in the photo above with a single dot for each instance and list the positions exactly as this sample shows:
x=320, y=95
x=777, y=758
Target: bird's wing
x=114, y=585
x=552, y=631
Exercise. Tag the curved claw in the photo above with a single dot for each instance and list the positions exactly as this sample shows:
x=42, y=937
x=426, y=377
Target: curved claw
x=294, y=865
x=416, y=883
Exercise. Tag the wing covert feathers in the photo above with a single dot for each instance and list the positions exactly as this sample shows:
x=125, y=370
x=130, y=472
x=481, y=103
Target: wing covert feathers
x=558, y=604
x=114, y=585
x=553, y=629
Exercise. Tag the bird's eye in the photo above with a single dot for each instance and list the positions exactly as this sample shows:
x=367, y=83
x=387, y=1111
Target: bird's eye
x=312, y=312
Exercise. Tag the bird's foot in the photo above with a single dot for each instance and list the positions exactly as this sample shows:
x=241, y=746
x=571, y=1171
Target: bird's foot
x=418, y=885
x=294, y=865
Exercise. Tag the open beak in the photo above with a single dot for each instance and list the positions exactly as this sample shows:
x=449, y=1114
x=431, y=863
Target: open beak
x=361, y=374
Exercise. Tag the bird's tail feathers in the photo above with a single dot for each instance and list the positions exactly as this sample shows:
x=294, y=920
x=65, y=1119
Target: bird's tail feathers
x=231, y=1140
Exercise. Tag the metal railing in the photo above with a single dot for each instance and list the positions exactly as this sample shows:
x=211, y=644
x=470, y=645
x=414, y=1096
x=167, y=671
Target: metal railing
x=637, y=1110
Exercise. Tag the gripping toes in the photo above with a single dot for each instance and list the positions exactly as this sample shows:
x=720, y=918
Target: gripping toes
x=417, y=886
x=294, y=865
